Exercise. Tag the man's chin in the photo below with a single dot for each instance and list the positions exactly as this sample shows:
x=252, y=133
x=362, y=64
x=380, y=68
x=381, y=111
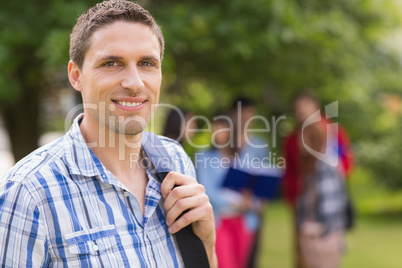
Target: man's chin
x=129, y=126
x=129, y=129
x=130, y=132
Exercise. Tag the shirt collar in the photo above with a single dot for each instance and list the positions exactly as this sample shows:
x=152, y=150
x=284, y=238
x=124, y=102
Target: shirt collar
x=80, y=159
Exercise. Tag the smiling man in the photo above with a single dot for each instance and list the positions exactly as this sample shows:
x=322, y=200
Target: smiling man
x=84, y=200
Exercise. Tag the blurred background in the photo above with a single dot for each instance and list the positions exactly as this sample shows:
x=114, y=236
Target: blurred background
x=268, y=50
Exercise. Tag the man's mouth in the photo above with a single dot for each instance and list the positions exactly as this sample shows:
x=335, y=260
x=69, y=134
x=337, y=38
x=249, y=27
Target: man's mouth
x=128, y=104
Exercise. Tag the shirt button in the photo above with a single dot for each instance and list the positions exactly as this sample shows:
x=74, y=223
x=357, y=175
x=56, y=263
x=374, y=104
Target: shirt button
x=126, y=194
x=95, y=247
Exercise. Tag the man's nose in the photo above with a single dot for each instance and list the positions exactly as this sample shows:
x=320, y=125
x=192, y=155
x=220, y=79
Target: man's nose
x=132, y=78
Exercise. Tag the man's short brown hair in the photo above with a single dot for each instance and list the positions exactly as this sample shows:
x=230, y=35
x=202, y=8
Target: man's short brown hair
x=106, y=13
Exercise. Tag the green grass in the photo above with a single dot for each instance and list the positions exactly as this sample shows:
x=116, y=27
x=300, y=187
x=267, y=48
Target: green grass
x=276, y=238
x=371, y=197
x=376, y=242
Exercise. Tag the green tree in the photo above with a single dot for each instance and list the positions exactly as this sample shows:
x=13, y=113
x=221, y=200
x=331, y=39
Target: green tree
x=215, y=51
x=269, y=50
x=33, y=40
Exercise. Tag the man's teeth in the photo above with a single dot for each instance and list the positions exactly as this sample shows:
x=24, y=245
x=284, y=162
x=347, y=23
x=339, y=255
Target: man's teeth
x=129, y=104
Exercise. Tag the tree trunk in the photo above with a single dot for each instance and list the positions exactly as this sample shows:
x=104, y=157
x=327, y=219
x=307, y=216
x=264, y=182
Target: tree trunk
x=22, y=122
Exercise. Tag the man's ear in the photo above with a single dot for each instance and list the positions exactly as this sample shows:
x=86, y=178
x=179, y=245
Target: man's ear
x=74, y=75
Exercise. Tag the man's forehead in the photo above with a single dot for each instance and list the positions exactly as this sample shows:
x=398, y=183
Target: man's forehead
x=121, y=36
x=124, y=29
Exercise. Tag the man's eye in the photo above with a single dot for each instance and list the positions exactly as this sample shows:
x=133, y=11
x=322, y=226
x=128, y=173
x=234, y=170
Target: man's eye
x=110, y=63
x=147, y=63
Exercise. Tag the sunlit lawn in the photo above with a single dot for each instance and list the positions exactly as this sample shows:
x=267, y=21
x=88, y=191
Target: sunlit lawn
x=376, y=242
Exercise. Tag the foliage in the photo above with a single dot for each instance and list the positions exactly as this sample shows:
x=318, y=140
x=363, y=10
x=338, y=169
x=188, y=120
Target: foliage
x=269, y=50
x=37, y=32
x=217, y=50
x=34, y=41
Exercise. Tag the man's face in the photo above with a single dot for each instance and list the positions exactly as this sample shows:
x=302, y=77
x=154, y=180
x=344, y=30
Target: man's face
x=121, y=77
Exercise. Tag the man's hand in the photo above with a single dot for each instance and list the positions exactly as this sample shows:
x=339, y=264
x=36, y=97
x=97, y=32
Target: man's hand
x=189, y=197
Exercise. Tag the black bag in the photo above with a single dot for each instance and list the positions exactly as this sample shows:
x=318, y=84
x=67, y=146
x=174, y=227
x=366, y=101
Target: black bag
x=191, y=247
x=350, y=214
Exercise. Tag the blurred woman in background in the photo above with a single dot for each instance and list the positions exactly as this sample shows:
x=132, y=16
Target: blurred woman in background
x=235, y=213
x=315, y=188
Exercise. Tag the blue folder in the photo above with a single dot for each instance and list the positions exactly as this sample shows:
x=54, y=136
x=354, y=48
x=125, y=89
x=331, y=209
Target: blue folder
x=263, y=185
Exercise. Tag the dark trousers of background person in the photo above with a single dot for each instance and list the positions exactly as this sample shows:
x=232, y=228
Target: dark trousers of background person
x=253, y=260
x=297, y=256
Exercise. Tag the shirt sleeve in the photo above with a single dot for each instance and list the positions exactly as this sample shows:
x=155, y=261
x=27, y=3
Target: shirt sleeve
x=23, y=233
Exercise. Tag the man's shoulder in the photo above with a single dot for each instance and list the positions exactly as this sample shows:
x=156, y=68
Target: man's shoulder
x=176, y=155
x=42, y=160
x=169, y=144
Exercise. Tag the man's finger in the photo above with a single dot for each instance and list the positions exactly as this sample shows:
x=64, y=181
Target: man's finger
x=189, y=217
x=182, y=205
x=173, y=179
x=180, y=192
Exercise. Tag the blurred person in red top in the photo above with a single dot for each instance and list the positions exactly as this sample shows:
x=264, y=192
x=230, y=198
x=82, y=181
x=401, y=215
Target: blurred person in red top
x=304, y=105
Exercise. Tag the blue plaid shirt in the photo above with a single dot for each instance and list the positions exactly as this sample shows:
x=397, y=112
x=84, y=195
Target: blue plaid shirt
x=60, y=207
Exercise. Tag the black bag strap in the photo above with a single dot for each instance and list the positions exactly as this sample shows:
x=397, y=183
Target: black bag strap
x=191, y=247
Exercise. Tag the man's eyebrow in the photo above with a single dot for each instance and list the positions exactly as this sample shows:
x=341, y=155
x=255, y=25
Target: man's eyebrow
x=151, y=58
x=110, y=57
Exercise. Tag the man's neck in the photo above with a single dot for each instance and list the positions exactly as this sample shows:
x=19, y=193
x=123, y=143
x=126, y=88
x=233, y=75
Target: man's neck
x=119, y=153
